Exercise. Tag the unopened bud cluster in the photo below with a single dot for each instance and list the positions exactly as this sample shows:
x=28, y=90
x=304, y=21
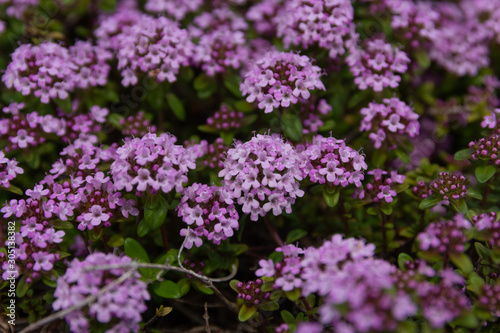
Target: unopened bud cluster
x=225, y=119
x=450, y=186
x=486, y=148
x=251, y=292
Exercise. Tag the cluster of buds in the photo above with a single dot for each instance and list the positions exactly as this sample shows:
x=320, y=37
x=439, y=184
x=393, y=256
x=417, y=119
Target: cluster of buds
x=445, y=237
x=225, y=119
x=215, y=154
x=421, y=190
x=196, y=267
x=486, y=148
x=450, y=186
x=136, y=125
x=489, y=300
x=441, y=300
x=380, y=188
x=488, y=224
x=251, y=292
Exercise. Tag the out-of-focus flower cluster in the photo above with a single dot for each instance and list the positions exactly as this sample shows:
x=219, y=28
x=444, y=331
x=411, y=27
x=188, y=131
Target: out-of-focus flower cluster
x=121, y=305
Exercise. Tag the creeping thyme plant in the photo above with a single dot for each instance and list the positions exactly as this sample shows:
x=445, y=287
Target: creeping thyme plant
x=250, y=166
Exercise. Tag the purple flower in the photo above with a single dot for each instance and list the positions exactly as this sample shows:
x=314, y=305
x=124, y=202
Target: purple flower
x=96, y=215
x=262, y=175
x=124, y=302
x=278, y=78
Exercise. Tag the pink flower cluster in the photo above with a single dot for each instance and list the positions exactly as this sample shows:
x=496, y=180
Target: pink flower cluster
x=311, y=114
x=376, y=64
x=143, y=44
x=18, y=8
x=225, y=119
x=445, y=237
x=441, y=300
x=278, y=79
x=356, y=288
x=152, y=162
x=221, y=41
x=327, y=24
x=136, y=125
x=177, y=9
x=121, y=305
x=331, y=160
x=210, y=212
x=50, y=71
x=8, y=170
x=388, y=121
x=380, y=188
x=263, y=175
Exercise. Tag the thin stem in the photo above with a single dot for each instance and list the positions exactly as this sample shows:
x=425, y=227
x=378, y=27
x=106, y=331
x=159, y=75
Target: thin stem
x=86, y=301
x=274, y=234
x=343, y=213
x=307, y=307
x=384, y=232
x=164, y=237
x=207, y=280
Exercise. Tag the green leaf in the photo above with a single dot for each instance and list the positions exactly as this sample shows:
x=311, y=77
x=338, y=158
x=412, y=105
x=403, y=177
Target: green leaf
x=403, y=258
x=246, y=312
x=142, y=228
x=271, y=306
x=403, y=156
x=484, y=173
x=248, y=120
x=116, y=241
x=155, y=211
x=177, y=107
x=475, y=283
x=114, y=119
x=294, y=235
x=233, y=284
x=232, y=83
x=65, y=104
x=49, y=282
x=14, y=189
x=22, y=287
x=184, y=286
x=386, y=209
x=463, y=262
x=482, y=251
x=62, y=225
x=291, y=126
x=331, y=196
x=463, y=154
x=227, y=137
x=95, y=234
x=468, y=320
x=328, y=125
x=202, y=288
x=293, y=295
x=135, y=250
x=166, y=289
x=473, y=193
x=287, y=317
x=206, y=129
x=430, y=201
x=459, y=205
x=422, y=58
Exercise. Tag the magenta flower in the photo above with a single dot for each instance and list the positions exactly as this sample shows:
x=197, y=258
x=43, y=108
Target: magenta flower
x=278, y=78
x=96, y=215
